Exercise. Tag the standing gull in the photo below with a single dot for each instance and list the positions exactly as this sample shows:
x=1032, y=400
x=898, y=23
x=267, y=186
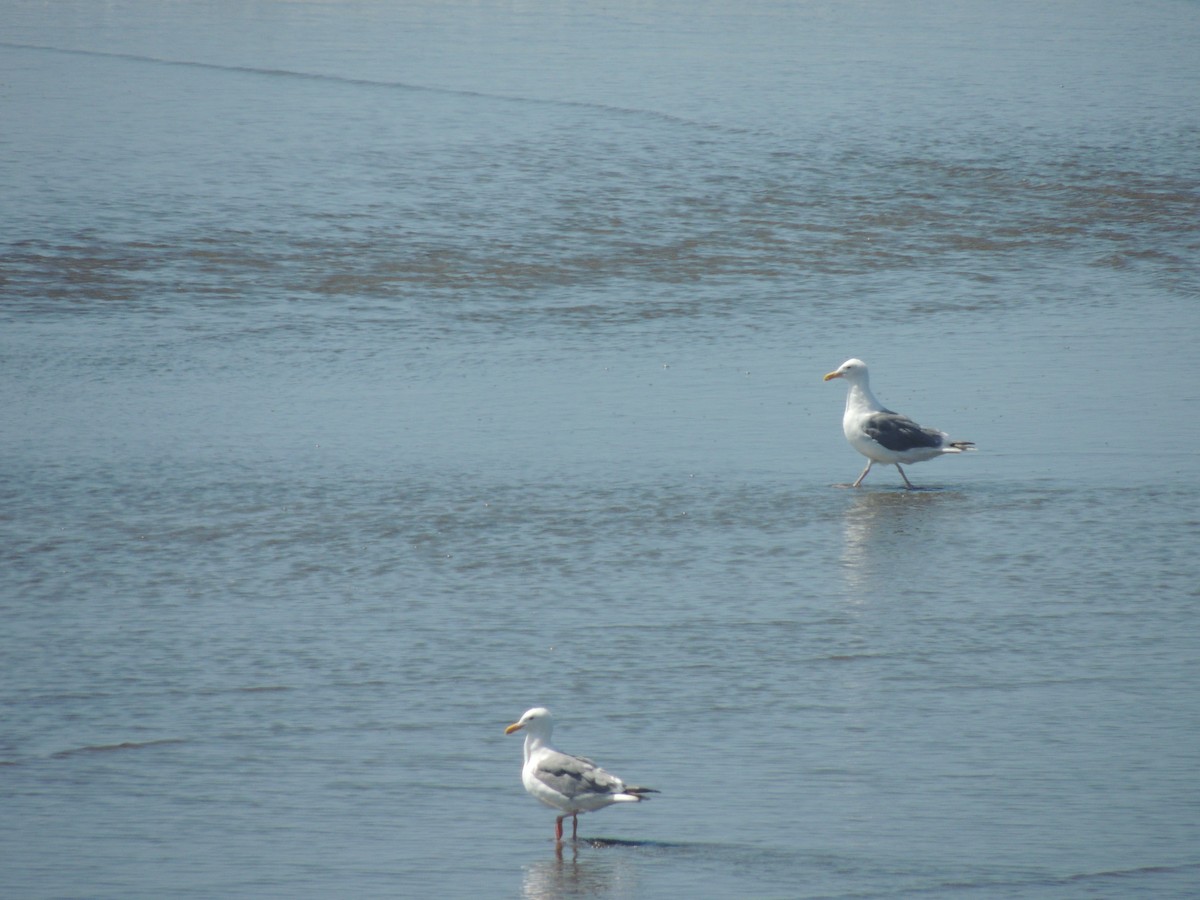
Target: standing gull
x=882, y=435
x=570, y=783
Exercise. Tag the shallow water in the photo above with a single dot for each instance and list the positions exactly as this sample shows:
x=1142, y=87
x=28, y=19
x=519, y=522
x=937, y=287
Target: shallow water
x=374, y=374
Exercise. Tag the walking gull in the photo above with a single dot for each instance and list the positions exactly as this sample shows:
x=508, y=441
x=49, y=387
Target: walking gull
x=882, y=435
x=569, y=783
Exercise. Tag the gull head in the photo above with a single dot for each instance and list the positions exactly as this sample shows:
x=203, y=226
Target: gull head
x=853, y=370
x=536, y=721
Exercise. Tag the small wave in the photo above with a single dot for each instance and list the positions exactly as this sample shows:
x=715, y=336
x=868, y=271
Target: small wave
x=1134, y=873
x=377, y=83
x=107, y=748
x=1006, y=885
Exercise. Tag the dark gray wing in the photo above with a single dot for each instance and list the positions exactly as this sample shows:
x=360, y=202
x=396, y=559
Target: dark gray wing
x=900, y=433
x=572, y=776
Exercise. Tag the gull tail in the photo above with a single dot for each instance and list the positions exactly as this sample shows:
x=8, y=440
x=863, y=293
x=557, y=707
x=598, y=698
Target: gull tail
x=636, y=792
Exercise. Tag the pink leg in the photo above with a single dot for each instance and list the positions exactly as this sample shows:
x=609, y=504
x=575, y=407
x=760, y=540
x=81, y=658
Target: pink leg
x=575, y=827
x=558, y=828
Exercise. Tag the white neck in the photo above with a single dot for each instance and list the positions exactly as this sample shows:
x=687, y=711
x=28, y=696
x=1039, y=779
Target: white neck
x=859, y=398
x=533, y=743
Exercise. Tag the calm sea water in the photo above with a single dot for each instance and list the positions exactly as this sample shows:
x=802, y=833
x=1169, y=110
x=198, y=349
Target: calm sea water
x=372, y=372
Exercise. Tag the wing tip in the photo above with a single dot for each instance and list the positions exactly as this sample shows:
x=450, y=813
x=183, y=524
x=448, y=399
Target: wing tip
x=637, y=792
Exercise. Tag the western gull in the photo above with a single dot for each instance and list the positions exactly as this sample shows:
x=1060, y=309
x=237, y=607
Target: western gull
x=882, y=435
x=569, y=783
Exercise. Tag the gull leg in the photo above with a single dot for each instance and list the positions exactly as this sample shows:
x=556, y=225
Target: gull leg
x=558, y=829
x=575, y=827
x=870, y=462
x=908, y=483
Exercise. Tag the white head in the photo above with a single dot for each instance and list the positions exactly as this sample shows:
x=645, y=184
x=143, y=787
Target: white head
x=853, y=370
x=537, y=723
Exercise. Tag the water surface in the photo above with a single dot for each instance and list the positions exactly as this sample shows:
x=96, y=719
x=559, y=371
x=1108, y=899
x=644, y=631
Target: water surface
x=372, y=374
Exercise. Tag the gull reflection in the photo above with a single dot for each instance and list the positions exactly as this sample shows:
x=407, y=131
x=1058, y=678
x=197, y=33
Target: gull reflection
x=883, y=534
x=567, y=875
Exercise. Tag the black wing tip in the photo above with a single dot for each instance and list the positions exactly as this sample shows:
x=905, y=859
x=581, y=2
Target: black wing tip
x=963, y=445
x=638, y=791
